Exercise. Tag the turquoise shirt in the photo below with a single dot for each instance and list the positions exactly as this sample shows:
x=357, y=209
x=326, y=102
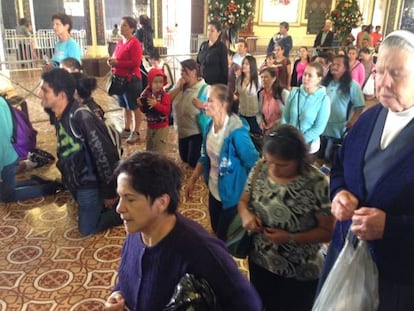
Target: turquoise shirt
x=7, y=153
x=339, y=106
x=308, y=113
x=65, y=49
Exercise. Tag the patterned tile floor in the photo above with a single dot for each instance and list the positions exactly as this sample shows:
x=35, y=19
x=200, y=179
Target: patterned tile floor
x=45, y=264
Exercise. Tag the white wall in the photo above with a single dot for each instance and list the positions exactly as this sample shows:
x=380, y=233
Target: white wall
x=177, y=25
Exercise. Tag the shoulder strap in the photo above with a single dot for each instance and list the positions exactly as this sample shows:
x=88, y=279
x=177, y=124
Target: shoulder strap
x=201, y=90
x=111, y=131
x=72, y=116
x=254, y=177
x=298, y=95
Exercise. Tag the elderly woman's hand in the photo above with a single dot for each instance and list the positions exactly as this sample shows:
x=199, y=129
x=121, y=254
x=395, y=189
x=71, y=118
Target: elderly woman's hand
x=343, y=205
x=368, y=223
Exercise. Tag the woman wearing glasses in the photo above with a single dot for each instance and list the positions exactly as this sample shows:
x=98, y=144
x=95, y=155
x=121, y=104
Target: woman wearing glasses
x=288, y=209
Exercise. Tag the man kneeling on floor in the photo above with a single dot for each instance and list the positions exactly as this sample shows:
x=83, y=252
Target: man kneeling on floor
x=86, y=154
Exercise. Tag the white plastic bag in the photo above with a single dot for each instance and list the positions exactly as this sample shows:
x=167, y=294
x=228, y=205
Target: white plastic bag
x=352, y=283
x=369, y=86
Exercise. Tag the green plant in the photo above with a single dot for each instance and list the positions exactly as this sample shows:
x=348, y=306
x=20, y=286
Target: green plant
x=346, y=15
x=232, y=14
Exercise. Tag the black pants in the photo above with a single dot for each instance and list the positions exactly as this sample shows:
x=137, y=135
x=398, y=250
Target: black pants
x=220, y=217
x=254, y=126
x=189, y=149
x=282, y=294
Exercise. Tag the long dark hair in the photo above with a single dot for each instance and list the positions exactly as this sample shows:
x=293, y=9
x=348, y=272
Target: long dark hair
x=85, y=85
x=346, y=78
x=287, y=142
x=145, y=22
x=254, y=78
x=218, y=27
x=191, y=64
x=277, y=88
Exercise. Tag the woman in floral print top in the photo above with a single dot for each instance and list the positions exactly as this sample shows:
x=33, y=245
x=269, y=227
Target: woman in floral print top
x=288, y=208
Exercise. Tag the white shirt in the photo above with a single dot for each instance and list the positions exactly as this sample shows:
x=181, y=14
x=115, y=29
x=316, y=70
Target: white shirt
x=214, y=144
x=394, y=124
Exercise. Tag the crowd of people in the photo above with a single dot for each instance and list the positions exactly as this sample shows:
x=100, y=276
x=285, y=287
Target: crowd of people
x=304, y=114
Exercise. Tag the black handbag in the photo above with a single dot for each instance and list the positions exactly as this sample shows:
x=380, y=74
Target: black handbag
x=240, y=241
x=116, y=85
x=192, y=294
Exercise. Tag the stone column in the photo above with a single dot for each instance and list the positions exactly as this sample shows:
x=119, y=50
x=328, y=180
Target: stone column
x=96, y=51
x=95, y=28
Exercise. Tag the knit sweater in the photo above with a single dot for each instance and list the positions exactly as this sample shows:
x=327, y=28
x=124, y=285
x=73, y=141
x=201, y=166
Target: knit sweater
x=392, y=193
x=148, y=275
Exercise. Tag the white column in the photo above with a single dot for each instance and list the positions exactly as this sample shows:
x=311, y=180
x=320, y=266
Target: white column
x=4, y=72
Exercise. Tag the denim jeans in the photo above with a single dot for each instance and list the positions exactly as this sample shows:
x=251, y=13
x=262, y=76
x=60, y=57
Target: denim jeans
x=328, y=149
x=12, y=190
x=8, y=183
x=93, y=215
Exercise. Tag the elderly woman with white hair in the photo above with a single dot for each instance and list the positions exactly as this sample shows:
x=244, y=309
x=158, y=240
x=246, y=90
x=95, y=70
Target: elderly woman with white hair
x=372, y=180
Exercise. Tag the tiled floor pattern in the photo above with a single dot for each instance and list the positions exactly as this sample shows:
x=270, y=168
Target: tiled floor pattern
x=45, y=264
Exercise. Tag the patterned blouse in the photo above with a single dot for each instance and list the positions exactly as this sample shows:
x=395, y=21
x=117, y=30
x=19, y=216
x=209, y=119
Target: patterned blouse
x=291, y=207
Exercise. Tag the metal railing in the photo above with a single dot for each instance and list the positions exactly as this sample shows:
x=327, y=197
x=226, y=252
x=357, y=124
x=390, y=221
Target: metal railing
x=29, y=52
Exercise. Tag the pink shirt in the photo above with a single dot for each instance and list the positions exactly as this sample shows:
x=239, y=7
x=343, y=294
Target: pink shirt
x=270, y=109
x=300, y=68
x=358, y=73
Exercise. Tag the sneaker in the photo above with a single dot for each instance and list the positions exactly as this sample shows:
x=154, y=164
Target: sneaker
x=133, y=138
x=38, y=159
x=125, y=133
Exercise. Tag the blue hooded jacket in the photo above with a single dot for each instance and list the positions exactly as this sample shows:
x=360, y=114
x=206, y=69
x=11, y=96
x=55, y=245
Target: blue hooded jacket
x=237, y=156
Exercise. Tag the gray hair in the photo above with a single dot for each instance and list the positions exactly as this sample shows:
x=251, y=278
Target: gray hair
x=399, y=39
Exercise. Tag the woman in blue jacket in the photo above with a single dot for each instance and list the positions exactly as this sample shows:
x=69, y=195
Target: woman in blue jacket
x=308, y=107
x=227, y=155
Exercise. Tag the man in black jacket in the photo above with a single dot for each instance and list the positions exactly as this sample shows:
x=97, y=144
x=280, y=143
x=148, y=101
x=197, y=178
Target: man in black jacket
x=86, y=154
x=324, y=38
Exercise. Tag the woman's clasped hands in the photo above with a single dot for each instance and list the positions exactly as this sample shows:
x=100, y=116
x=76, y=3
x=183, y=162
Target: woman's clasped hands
x=367, y=223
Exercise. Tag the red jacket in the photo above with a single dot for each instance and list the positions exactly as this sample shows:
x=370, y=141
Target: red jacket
x=157, y=117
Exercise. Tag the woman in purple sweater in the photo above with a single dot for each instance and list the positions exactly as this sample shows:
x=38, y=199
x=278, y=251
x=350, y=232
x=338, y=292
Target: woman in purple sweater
x=162, y=245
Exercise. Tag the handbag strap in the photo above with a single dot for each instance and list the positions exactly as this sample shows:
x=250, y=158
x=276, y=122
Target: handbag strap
x=298, y=94
x=254, y=177
x=201, y=90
